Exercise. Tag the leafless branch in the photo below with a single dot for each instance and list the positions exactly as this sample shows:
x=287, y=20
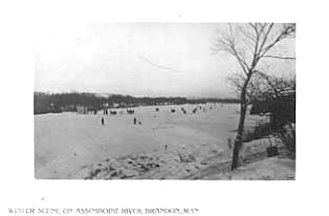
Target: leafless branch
x=265, y=37
x=280, y=57
x=287, y=30
x=228, y=43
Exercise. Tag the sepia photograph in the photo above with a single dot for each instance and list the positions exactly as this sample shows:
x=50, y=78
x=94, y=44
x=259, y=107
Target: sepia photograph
x=164, y=101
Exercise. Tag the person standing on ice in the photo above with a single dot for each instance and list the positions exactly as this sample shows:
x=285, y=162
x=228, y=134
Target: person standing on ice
x=102, y=121
x=135, y=121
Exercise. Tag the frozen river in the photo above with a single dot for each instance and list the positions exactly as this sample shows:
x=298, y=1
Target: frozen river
x=67, y=141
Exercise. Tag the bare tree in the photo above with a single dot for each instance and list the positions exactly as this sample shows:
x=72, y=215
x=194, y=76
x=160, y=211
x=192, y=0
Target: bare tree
x=250, y=44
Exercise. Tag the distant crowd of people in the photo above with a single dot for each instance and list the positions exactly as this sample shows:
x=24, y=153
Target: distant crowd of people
x=135, y=121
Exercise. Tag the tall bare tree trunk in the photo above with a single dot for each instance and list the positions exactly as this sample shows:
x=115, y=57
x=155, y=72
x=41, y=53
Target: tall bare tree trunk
x=243, y=111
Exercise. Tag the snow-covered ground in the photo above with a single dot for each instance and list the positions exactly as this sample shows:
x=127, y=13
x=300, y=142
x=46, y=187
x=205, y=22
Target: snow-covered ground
x=274, y=168
x=67, y=143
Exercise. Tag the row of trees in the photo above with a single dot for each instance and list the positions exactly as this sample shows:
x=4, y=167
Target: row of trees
x=53, y=103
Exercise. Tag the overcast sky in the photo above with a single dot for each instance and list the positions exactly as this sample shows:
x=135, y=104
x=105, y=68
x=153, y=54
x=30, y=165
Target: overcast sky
x=140, y=59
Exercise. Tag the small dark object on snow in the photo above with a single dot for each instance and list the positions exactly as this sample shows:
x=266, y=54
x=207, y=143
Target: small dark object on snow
x=130, y=111
x=272, y=151
x=113, y=112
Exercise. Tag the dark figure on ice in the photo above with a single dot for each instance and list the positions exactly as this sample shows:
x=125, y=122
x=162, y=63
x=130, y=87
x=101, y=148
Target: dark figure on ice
x=135, y=121
x=102, y=121
x=130, y=111
x=113, y=112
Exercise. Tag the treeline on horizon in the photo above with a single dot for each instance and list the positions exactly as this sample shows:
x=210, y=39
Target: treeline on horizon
x=68, y=102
